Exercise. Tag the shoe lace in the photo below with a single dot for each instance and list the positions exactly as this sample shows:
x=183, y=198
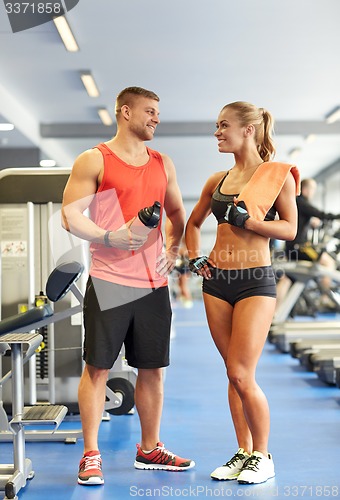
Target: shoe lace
x=232, y=461
x=251, y=464
x=93, y=462
x=167, y=452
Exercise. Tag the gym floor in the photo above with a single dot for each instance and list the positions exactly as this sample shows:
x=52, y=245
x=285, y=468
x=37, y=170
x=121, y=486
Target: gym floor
x=196, y=424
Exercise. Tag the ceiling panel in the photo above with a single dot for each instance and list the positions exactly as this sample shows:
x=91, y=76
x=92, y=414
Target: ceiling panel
x=197, y=56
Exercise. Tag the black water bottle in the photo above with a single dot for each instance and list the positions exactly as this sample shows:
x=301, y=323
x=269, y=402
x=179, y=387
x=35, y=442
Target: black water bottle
x=148, y=218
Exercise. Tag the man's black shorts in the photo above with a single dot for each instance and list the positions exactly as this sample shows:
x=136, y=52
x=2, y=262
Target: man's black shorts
x=141, y=321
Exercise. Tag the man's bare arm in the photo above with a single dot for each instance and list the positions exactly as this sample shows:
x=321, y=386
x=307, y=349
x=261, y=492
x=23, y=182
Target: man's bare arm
x=175, y=218
x=78, y=194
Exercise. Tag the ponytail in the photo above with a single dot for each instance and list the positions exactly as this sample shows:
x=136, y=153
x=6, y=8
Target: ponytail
x=266, y=147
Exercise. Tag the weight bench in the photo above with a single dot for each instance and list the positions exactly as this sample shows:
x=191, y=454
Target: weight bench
x=301, y=273
x=325, y=364
x=15, y=336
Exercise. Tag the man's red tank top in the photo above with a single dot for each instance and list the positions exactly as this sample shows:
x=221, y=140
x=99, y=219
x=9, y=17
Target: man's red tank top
x=124, y=190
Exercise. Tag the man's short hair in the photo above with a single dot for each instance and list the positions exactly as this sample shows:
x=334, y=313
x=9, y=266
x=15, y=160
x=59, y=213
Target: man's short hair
x=128, y=95
x=305, y=183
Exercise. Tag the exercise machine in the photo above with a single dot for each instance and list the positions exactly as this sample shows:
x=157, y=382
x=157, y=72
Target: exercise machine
x=325, y=365
x=337, y=377
x=312, y=346
x=33, y=243
x=18, y=334
x=301, y=273
x=284, y=329
x=323, y=331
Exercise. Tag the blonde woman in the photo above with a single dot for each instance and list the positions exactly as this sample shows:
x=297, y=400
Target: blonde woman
x=253, y=202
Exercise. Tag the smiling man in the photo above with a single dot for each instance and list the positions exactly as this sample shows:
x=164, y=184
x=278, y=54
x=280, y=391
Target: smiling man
x=127, y=298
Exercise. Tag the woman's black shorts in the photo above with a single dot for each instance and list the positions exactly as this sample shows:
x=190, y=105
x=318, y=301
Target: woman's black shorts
x=237, y=284
x=138, y=318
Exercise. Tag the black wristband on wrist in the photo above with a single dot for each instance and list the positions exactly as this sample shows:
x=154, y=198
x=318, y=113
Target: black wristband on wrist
x=106, y=239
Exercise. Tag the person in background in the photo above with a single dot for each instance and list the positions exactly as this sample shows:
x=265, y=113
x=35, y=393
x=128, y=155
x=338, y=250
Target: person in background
x=182, y=273
x=239, y=286
x=309, y=217
x=127, y=299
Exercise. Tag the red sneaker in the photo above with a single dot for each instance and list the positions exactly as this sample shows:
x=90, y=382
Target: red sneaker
x=160, y=458
x=90, y=469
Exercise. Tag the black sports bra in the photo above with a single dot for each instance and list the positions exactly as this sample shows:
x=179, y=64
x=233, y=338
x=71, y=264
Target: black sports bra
x=220, y=201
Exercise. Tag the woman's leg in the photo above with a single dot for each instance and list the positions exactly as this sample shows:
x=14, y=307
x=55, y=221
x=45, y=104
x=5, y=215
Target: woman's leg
x=251, y=321
x=219, y=315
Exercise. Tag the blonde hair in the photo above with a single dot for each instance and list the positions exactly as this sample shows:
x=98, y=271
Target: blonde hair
x=262, y=120
x=128, y=95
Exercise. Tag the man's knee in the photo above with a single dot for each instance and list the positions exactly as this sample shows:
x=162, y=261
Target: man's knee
x=150, y=374
x=95, y=374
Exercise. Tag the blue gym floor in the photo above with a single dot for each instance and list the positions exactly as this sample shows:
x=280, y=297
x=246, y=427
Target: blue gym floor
x=305, y=433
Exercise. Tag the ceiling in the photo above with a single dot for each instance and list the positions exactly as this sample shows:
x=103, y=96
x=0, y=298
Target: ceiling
x=197, y=56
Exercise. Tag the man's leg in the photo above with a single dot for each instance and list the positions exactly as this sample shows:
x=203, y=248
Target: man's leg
x=148, y=345
x=149, y=403
x=152, y=454
x=91, y=399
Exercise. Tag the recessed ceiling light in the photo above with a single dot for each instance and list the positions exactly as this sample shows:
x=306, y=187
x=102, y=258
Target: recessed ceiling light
x=105, y=116
x=333, y=115
x=89, y=83
x=66, y=34
x=293, y=153
x=310, y=138
x=4, y=127
x=47, y=163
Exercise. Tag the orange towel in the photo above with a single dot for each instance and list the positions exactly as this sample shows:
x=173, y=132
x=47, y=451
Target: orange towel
x=261, y=191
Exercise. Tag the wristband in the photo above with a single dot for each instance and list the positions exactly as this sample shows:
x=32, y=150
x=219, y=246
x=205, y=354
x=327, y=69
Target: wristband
x=197, y=263
x=106, y=239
